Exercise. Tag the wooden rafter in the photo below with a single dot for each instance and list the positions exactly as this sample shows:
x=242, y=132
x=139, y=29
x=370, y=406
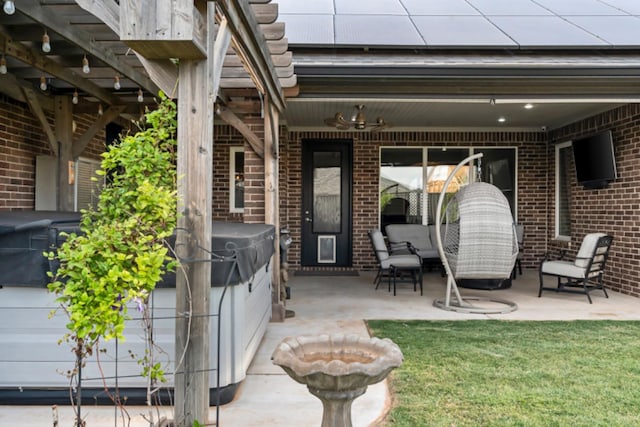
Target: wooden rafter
x=252, y=46
x=84, y=41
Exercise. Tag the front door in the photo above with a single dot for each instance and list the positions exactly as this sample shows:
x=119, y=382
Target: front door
x=326, y=202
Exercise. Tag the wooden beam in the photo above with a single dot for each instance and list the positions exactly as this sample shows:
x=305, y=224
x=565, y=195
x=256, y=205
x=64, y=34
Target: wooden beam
x=163, y=72
x=220, y=48
x=64, y=135
x=254, y=141
x=36, y=109
x=12, y=87
x=106, y=11
x=45, y=64
x=109, y=115
x=253, y=47
x=193, y=235
x=265, y=13
x=84, y=40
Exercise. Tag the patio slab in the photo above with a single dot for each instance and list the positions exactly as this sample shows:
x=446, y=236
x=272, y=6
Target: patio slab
x=339, y=305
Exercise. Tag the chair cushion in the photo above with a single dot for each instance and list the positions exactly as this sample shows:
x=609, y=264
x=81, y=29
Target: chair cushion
x=586, y=249
x=563, y=268
x=416, y=234
x=377, y=240
x=401, y=261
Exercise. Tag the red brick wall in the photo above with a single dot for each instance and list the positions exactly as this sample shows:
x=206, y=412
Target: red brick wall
x=532, y=194
x=224, y=137
x=21, y=140
x=615, y=209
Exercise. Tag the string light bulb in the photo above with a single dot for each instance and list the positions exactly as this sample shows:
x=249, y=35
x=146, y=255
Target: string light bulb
x=140, y=96
x=100, y=109
x=116, y=83
x=9, y=8
x=3, y=65
x=46, y=42
x=74, y=99
x=43, y=83
x=85, y=65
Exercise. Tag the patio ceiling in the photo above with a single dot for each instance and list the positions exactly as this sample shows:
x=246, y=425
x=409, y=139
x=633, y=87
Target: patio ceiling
x=457, y=90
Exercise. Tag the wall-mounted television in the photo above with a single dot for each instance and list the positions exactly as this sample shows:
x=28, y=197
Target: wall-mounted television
x=595, y=160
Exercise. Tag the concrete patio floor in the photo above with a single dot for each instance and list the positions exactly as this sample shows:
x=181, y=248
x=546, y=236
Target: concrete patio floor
x=340, y=304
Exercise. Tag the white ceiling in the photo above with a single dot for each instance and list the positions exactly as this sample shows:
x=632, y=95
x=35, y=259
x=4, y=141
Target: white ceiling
x=308, y=114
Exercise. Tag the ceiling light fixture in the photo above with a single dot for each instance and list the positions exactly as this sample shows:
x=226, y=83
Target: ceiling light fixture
x=528, y=106
x=502, y=119
x=358, y=121
x=140, y=96
x=100, y=109
x=43, y=83
x=3, y=65
x=85, y=65
x=9, y=8
x=74, y=99
x=46, y=42
x=116, y=83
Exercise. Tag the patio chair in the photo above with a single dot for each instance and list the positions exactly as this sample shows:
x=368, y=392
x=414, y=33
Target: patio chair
x=392, y=266
x=582, y=275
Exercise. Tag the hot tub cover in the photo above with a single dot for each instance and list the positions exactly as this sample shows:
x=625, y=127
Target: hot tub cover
x=252, y=244
x=24, y=237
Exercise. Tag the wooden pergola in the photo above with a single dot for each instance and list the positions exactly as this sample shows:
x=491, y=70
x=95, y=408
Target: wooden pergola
x=226, y=57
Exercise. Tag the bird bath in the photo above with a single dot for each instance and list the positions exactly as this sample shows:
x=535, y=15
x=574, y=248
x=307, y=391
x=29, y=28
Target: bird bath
x=337, y=369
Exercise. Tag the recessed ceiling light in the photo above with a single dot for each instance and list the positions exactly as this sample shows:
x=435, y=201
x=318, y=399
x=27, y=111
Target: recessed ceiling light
x=528, y=106
x=502, y=119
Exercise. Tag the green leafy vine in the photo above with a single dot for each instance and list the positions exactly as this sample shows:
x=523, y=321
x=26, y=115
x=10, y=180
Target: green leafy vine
x=120, y=254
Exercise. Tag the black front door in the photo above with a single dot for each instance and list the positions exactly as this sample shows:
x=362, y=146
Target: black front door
x=326, y=202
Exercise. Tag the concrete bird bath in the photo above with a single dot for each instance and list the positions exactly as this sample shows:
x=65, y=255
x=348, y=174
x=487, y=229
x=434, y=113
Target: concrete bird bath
x=337, y=369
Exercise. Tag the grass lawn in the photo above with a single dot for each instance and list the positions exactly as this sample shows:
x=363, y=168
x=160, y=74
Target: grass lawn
x=514, y=373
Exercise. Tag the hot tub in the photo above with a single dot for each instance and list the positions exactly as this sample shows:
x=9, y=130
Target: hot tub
x=33, y=365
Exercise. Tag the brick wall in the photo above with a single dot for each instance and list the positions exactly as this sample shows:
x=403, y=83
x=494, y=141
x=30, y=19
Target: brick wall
x=532, y=178
x=224, y=137
x=21, y=140
x=615, y=209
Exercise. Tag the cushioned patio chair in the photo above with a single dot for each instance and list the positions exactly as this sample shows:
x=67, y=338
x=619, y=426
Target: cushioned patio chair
x=392, y=266
x=582, y=275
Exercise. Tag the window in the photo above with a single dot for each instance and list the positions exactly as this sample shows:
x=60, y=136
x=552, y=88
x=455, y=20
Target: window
x=411, y=179
x=236, y=179
x=563, y=181
x=87, y=190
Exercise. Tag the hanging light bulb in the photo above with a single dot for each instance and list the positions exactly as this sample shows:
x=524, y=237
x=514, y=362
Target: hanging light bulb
x=100, y=109
x=46, y=42
x=9, y=8
x=140, y=96
x=85, y=65
x=43, y=83
x=75, y=97
x=3, y=65
x=116, y=83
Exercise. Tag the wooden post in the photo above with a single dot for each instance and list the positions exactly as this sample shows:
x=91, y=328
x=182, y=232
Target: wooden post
x=195, y=160
x=271, y=211
x=64, y=134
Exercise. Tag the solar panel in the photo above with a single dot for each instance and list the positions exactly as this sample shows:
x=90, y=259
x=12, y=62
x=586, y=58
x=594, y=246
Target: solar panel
x=309, y=29
x=509, y=7
x=376, y=30
x=617, y=30
x=579, y=7
x=370, y=7
x=536, y=31
x=439, y=7
x=305, y=7
x=460, y=31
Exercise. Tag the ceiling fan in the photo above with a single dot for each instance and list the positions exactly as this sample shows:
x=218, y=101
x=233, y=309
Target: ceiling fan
x=358, y=121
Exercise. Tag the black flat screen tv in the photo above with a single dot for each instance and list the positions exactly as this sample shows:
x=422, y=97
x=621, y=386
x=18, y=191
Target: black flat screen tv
x=595, y=160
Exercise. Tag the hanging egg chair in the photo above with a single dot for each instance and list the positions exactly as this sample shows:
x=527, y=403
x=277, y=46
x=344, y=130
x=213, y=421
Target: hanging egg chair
x=479, y=244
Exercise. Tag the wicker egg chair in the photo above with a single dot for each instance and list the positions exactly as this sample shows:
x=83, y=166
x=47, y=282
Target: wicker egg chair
x=479, y=243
